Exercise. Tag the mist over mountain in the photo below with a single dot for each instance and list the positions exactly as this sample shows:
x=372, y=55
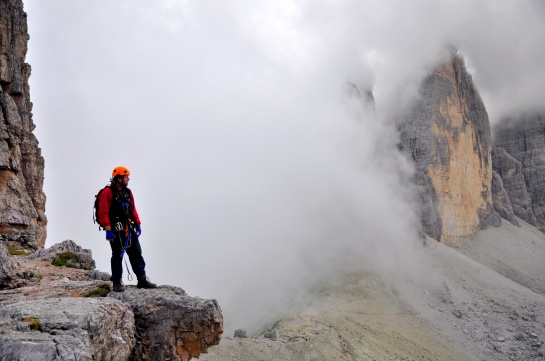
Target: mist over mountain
x=258, y=172
x=238, y=113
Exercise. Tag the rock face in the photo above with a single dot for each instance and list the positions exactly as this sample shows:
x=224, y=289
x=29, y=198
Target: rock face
x=519, y=158
x=447, y=134
x=22, y=210
x=66, y=329
x=502, y=202
x=171, y=325
x=8, y=277
x=55, y=317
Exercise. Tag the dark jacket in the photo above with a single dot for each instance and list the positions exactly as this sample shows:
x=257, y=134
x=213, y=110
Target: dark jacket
x=112, y=210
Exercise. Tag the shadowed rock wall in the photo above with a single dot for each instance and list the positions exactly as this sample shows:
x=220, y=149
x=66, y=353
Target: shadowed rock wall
x=519, y=158
x=22, y=210
x=447, y=134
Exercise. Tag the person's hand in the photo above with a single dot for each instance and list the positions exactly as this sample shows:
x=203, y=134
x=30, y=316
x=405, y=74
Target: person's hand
x=138, y=230
x=110, y=236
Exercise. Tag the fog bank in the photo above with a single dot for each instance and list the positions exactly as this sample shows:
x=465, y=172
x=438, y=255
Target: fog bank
x=255, y=174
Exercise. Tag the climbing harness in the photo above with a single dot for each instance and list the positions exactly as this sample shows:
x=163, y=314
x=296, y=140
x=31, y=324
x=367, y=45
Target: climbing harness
x=124, y=245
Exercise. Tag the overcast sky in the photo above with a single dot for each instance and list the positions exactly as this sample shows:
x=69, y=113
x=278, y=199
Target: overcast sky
x=254, y=173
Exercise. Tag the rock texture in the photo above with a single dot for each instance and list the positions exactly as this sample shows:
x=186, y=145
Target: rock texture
x=22, y=210
x=171, y=325
x=447, y=134
x=84, y=256
x=8, y=277
x=519, y=158
x=52, y=314
x=502, y=202
x=66, y=329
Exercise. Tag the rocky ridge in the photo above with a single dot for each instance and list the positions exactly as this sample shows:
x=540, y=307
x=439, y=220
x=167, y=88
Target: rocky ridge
x=61, y=313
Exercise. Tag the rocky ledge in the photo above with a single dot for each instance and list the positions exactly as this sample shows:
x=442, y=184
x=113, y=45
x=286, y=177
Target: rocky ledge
x=67, y=312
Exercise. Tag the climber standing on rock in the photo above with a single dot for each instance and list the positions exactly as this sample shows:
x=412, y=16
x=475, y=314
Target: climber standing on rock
x=116, y=213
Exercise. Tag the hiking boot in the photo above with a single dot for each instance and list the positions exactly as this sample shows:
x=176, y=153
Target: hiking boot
x=118, y=286
x=143, y=282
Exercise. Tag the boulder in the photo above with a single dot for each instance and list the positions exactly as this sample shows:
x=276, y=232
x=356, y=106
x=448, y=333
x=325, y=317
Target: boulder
x=84, y=257
x=240, y=333
x=99, y=275
x=273, y=334
x=170, y=325
x=8, y=277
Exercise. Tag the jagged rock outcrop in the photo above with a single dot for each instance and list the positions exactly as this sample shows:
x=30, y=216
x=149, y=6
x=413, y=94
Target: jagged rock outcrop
x=172, y=325
x=55, y=316
x=447, y=134
x=519, y=158
x=83, y=257
x=22, y=210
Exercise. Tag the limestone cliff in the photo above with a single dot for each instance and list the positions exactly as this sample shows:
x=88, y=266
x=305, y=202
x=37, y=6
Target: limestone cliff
x=22, y=210
x=519, y=158
x=447, y=134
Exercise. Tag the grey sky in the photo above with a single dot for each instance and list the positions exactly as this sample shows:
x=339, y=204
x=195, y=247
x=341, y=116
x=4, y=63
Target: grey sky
x=253, y=174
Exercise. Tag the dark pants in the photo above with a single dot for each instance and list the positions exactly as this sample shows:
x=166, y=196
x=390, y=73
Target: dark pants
x=135, y=257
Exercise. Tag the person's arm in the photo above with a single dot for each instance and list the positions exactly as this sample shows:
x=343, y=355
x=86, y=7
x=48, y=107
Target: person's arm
x=135, y=216
x=104, y=203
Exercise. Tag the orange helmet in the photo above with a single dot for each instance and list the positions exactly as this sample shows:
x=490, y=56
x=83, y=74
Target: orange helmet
x=121, y=171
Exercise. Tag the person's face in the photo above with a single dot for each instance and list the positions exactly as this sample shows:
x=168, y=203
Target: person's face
x=125, y=180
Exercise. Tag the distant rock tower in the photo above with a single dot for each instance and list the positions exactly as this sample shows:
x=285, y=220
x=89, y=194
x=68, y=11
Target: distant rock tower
x=22, y=205
x=447, y=134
